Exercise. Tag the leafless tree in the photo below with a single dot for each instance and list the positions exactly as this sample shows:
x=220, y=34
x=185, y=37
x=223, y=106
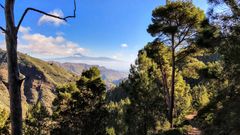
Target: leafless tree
x=14, y=80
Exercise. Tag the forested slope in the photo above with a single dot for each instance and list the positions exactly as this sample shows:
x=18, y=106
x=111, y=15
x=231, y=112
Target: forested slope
x=41, y=78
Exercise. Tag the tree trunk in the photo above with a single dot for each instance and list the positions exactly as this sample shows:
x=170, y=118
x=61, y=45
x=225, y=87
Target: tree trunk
x=165, y=88
x=172, y=84
x=13, y=70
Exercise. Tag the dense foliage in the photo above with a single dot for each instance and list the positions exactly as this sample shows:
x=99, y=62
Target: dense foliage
x=186, y=79
x=176, y=25
x=81, y=108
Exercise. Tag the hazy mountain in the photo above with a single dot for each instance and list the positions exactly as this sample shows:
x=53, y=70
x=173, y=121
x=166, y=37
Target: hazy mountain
x=111, y=77
x=41, y=78
x=107, y=62
x=79, y=56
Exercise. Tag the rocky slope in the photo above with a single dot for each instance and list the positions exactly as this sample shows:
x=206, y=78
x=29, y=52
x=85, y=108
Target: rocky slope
x=41, y=78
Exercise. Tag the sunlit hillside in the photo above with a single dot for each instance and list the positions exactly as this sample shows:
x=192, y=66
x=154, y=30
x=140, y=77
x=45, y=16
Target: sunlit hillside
x=128, y=67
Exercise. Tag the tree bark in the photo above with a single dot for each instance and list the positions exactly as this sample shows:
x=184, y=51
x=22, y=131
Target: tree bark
x=13, y=70
x=14, y=81
x=165, y=86
x=171, y=113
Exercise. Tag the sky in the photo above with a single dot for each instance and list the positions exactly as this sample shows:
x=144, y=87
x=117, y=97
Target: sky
x=103, y=28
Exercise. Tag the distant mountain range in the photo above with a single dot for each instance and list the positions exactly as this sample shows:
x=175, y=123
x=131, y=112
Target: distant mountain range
x=41, y=78
x=111, y=77
x=79, y=56
x=107, y=62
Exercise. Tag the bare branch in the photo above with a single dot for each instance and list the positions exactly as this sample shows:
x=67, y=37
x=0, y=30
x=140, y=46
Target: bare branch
x=2, y=6
x=74, y=12
x=47, y=14
x=4, y=31
x=21, y=81
x=5, y=84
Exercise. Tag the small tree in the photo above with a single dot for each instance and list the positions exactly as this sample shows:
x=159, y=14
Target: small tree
x=147, y=103
x=14, y=80
x=81, y=108
x=176, y=25
x=3, y=117
x=37, y=121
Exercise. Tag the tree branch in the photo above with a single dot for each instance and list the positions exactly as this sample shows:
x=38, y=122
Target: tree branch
x=74, y=12
x=163, y=40
x=47, y=14
x=184, y=37
x=2, y=6
x=5, y=84
x=185, y=54
x=21, y=81
x=179, y=36
x=4, y=31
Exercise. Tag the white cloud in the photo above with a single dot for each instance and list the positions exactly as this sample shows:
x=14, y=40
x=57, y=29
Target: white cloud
x=2, y=45
x=24, y=29
x=54, y=21
x=59, y=33
x=42, y=46
x=124, y=45
x=47, y=47
x=118, y=56
x=115, y=56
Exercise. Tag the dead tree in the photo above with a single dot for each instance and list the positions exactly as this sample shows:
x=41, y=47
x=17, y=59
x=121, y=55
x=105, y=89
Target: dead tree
x=14, y=81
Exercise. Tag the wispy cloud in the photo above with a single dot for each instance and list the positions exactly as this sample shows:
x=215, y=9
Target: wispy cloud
x=57, y=46
x=43, y=46
x=46, y=46
x=124, y=45
x=57, y=22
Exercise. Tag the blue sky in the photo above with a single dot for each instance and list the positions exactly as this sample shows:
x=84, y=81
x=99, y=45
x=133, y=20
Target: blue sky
x=109, y=28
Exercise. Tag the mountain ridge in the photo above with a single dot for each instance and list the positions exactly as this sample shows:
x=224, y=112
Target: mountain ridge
x=41, y=79
x=110, y=76
x=107, y=62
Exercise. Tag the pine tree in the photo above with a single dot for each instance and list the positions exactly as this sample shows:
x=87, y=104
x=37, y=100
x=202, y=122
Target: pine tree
x=176, y=25
x=146, y=89
x=37, y=121
x=81, y=108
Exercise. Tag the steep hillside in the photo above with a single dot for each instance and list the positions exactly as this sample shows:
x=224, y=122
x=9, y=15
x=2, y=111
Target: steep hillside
x=41, y=78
